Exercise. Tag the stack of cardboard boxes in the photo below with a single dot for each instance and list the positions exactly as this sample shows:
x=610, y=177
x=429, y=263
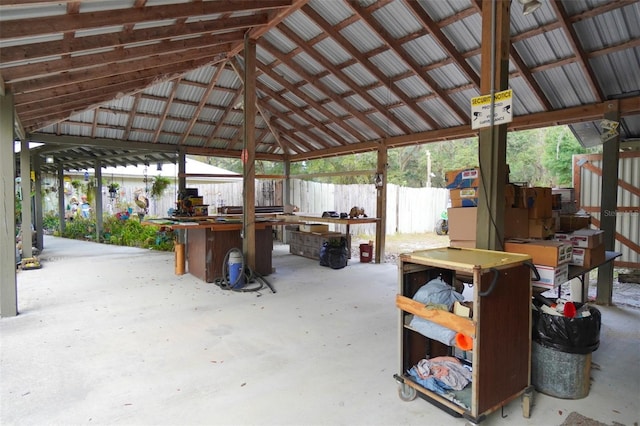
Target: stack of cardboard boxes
x=538, y=222
x=463, y=212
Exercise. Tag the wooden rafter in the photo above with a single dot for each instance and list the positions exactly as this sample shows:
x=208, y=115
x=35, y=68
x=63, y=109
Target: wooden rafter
x=223, y=29
x=317, y=82
x=462, y=116
x=203, y=101
x=583, y=61
x=307, y=47
x=300, y=112
x=119, y=55
x=165, y=110
x=60, y=24
x=131, y=116
x=436, y=32
x=295, y=89
x=363, y=59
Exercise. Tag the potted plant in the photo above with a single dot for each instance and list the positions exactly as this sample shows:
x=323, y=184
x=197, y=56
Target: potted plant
x=160, y=183
x=113, y=189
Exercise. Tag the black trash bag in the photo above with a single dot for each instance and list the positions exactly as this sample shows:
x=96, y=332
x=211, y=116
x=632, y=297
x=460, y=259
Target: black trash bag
x=334, y=253
x=569, y=335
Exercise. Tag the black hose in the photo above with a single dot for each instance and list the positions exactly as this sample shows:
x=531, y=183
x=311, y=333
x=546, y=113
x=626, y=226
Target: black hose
x=253, y=281
x=496, y=274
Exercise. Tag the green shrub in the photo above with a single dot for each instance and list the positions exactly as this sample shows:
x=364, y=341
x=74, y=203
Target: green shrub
x=121, y=232
x=80, y=229
x=51, y=222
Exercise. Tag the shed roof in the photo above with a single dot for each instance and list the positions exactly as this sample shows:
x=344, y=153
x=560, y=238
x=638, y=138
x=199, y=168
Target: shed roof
x=137, y=80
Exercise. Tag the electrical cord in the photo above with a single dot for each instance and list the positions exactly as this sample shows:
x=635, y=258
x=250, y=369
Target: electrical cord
x=253, y=281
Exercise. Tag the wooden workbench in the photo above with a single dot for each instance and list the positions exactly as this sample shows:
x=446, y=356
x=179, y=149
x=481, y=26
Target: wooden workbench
x=292, y=219
x=208, y=239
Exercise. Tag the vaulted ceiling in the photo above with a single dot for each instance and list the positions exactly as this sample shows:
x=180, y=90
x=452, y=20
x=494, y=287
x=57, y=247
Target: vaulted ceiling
x=124, y=78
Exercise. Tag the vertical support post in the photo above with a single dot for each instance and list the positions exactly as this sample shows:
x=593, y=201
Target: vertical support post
x=62, y=211
x=98, y=198
x=492, y=145
x=38, y=219
x=182, y=169
x=286, y=187
x=249, y=153
x=25, y=184
x=609, y=205
x=381, y=204
x=287, y=182
x=8, y=282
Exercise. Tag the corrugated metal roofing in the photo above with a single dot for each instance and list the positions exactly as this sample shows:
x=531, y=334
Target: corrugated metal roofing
x=372, y=65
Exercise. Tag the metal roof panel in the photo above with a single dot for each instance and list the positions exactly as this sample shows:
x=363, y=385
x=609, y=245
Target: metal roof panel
x=362, y=37
x=397, y=20
x=413, y=86
x=439, y=10
x=425, y=50
x=333, y=51
x=332, y=12
x=389, y=63
x=360, y=75
x=303, y=26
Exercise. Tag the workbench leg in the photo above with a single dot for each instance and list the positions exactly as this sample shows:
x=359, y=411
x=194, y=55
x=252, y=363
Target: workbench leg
x=180, y=249
x=180, y=262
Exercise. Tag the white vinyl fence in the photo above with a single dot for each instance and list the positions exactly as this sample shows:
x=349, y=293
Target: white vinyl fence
x=409, y=210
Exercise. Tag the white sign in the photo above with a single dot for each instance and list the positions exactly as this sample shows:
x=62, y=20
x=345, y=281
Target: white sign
x=481, y=109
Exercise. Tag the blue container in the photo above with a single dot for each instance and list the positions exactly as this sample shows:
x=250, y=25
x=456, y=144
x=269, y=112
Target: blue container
x=236, y=274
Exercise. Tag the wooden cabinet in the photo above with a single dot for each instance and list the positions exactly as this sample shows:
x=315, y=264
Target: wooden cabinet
x=207, y=248
x=500, y=326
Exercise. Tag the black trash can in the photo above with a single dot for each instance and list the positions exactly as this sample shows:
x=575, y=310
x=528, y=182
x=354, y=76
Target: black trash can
x=561, y=352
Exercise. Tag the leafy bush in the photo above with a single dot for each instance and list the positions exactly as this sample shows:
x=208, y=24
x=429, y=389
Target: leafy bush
x=133, y=234
x=80, y=229
x=51, y=222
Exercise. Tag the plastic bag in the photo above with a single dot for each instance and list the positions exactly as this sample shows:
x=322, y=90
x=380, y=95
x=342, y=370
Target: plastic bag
x=569, y=335
x=334, y=253
x=436, y=292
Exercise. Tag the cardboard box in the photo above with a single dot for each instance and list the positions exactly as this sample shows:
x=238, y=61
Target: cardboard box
x=542, y=252
x=556, y=220
x=516, y=223
x=520, y=196
x=539, y=202
x=587, y=238
x=571, y=222
x=463, y=178
x=466, y=197
x=462, y=223
x=588, y=257
x=550, y=277
x=462, y=243
x=541, y=228
x=314, y=227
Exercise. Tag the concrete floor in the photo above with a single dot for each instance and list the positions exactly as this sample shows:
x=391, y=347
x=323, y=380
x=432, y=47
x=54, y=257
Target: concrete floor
x=110, y=335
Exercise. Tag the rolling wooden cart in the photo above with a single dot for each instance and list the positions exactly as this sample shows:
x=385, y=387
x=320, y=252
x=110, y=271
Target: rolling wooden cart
x=500, y=327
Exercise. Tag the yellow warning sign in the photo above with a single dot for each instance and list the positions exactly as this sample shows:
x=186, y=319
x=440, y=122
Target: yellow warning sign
x=502, y=109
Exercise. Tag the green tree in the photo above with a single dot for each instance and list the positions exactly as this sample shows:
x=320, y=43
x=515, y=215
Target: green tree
x=559, y=147
x=523, y=157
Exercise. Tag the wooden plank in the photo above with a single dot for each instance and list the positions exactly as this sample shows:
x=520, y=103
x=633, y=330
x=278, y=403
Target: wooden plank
x=446, y=319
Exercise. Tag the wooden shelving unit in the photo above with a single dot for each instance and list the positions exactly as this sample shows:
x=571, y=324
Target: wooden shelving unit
x=500, y=326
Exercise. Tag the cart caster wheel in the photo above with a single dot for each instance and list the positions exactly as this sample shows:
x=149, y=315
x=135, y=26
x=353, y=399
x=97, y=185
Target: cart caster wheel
x=407, y=393
x=527, y=401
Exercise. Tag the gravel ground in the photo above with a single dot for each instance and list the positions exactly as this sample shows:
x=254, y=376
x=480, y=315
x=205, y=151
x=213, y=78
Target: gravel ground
x=400, y=243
